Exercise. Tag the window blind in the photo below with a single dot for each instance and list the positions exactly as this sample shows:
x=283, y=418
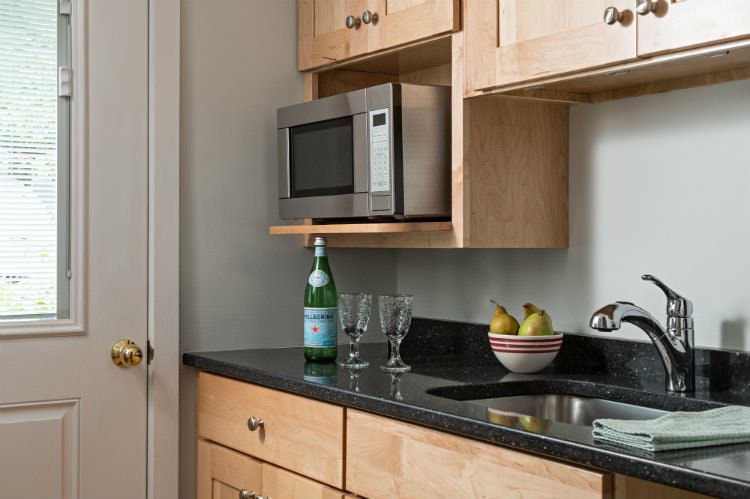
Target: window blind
x=28, y=159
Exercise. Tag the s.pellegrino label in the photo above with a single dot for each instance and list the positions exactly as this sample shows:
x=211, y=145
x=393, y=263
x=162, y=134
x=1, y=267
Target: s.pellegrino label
x=320, y=327
x=321, y=308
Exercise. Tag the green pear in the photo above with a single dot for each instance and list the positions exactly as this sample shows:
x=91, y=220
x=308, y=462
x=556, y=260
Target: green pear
x=502, y=322
x=537, y=324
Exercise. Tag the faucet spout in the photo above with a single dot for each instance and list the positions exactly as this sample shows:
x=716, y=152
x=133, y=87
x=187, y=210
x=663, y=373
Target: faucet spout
x=674, y=344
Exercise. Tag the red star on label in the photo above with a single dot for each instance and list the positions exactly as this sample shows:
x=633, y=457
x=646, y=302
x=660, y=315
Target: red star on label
x=315, y=329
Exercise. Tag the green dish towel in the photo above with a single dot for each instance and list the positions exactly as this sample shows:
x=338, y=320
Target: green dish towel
x=678, y=430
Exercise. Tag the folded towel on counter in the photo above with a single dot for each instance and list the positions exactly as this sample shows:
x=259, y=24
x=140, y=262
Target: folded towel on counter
x=678, y=430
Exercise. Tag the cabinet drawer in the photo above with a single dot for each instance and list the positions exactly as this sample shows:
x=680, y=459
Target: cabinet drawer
x=223, y=473
x=388, y=458
x=282, y=484
x=298, y=433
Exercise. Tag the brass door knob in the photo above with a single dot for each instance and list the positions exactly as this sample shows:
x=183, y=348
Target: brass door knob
x=612, y=16
x=126, y=353
x=248, y=494
x=645, y=7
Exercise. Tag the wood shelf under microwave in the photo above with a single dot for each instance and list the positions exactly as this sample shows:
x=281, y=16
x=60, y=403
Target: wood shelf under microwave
x=374, y=235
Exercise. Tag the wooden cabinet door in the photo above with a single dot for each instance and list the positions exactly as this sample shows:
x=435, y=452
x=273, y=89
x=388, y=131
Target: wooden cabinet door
x=224, y=473
x=282, y=484
x=387, y=458
x=681, y=24
x=323, y=35
x=325, y=39
x=516, y=41
x=405, y=21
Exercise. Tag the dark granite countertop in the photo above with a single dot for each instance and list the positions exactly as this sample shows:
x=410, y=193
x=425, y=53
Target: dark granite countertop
x=463, y=358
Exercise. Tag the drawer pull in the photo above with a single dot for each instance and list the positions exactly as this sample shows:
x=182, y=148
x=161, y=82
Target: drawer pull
x=353, y=22
x=612, y=16
x=254, y=423
x=370, y=17
x=248, y=494
x=645, y=7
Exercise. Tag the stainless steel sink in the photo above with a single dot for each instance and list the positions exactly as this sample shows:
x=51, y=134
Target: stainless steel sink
x=569, y=409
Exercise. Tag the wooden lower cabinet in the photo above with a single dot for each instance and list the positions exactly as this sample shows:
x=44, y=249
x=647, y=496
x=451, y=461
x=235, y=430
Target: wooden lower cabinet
x=282, y=484
x=388, y=458
x=371, y=456
x=225, y=474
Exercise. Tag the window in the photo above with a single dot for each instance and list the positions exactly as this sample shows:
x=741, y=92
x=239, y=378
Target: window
x=34, y=161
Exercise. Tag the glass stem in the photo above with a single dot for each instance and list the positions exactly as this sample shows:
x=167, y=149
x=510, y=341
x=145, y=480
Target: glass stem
x=354, y=348
x=395, y=353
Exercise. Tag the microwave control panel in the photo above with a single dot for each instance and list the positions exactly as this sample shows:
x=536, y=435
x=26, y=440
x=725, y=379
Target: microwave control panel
x=380, y=151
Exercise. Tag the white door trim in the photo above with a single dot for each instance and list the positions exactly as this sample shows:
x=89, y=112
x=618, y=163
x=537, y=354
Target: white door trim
x=164, y=245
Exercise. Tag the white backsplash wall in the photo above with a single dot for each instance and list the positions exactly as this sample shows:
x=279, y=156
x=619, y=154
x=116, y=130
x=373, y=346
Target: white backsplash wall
x=659, y=184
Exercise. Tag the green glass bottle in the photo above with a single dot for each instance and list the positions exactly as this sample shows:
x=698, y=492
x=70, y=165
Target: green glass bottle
x=321, y=308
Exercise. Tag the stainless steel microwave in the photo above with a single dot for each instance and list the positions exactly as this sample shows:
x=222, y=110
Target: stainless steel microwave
x=379, y=152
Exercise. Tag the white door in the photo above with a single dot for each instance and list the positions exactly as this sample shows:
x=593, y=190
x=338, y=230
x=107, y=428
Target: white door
x=72, y=423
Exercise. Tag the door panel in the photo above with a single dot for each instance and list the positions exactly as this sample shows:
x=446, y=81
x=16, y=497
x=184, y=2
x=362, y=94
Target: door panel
x=223, y=473
x=325, y=39
x=323, y=35
x=515, y=41
x=280, y=483
x=681, y=24
x=96, y=433
x=44, y=459
x=405, y=21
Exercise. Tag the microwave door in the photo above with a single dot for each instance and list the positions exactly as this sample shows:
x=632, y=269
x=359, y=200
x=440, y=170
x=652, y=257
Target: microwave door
x=327, y=177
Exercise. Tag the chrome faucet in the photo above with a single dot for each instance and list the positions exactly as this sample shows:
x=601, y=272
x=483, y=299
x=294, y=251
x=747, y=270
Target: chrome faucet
x=674, y=344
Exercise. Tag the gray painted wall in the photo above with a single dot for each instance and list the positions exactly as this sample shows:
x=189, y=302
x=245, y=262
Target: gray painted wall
x=239, y=286
x=658, y=184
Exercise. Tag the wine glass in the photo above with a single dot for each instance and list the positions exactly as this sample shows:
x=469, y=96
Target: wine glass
x=354, y=313
x=395, y=319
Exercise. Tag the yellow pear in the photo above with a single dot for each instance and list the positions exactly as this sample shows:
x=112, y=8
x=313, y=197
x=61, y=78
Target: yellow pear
x=502, y=322
x=530, y=308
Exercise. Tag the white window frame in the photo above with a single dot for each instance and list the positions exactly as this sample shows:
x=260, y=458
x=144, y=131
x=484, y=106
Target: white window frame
x=73, y=220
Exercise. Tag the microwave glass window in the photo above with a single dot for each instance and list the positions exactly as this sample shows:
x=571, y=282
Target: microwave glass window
x=322, y=158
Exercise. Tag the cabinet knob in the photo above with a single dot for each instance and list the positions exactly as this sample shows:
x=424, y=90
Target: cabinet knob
x=612, y=16
x=254, y=423
x=368, y=17
x=248, y=494
x=645, y=7
x=353, y=22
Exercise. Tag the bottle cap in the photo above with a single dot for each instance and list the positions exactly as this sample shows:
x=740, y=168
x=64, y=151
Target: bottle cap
x=319, y=241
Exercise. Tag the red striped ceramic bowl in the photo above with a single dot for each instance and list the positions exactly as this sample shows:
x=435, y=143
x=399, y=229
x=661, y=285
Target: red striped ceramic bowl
x=525, y=354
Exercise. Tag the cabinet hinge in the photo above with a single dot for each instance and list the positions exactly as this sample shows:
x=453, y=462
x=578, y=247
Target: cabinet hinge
x=66, y=7
x=64, y=81
x=149, y=352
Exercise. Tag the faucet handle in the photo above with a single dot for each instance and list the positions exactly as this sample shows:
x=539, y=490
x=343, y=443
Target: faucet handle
x=677, y=306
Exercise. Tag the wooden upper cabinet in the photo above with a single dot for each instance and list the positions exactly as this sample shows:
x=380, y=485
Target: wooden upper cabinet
x=517, y=41
x=325, y=39
x=682, y=24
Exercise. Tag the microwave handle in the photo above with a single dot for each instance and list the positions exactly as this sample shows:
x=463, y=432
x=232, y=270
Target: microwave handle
x=285, y=189
x=360, y=152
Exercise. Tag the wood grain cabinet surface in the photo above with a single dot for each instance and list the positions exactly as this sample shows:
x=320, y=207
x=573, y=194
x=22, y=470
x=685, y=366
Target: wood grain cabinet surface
x=298, y=433
x=388, y=458
x=682, y=24
x=325, y=39
x=223, y=473
x=513, y=41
